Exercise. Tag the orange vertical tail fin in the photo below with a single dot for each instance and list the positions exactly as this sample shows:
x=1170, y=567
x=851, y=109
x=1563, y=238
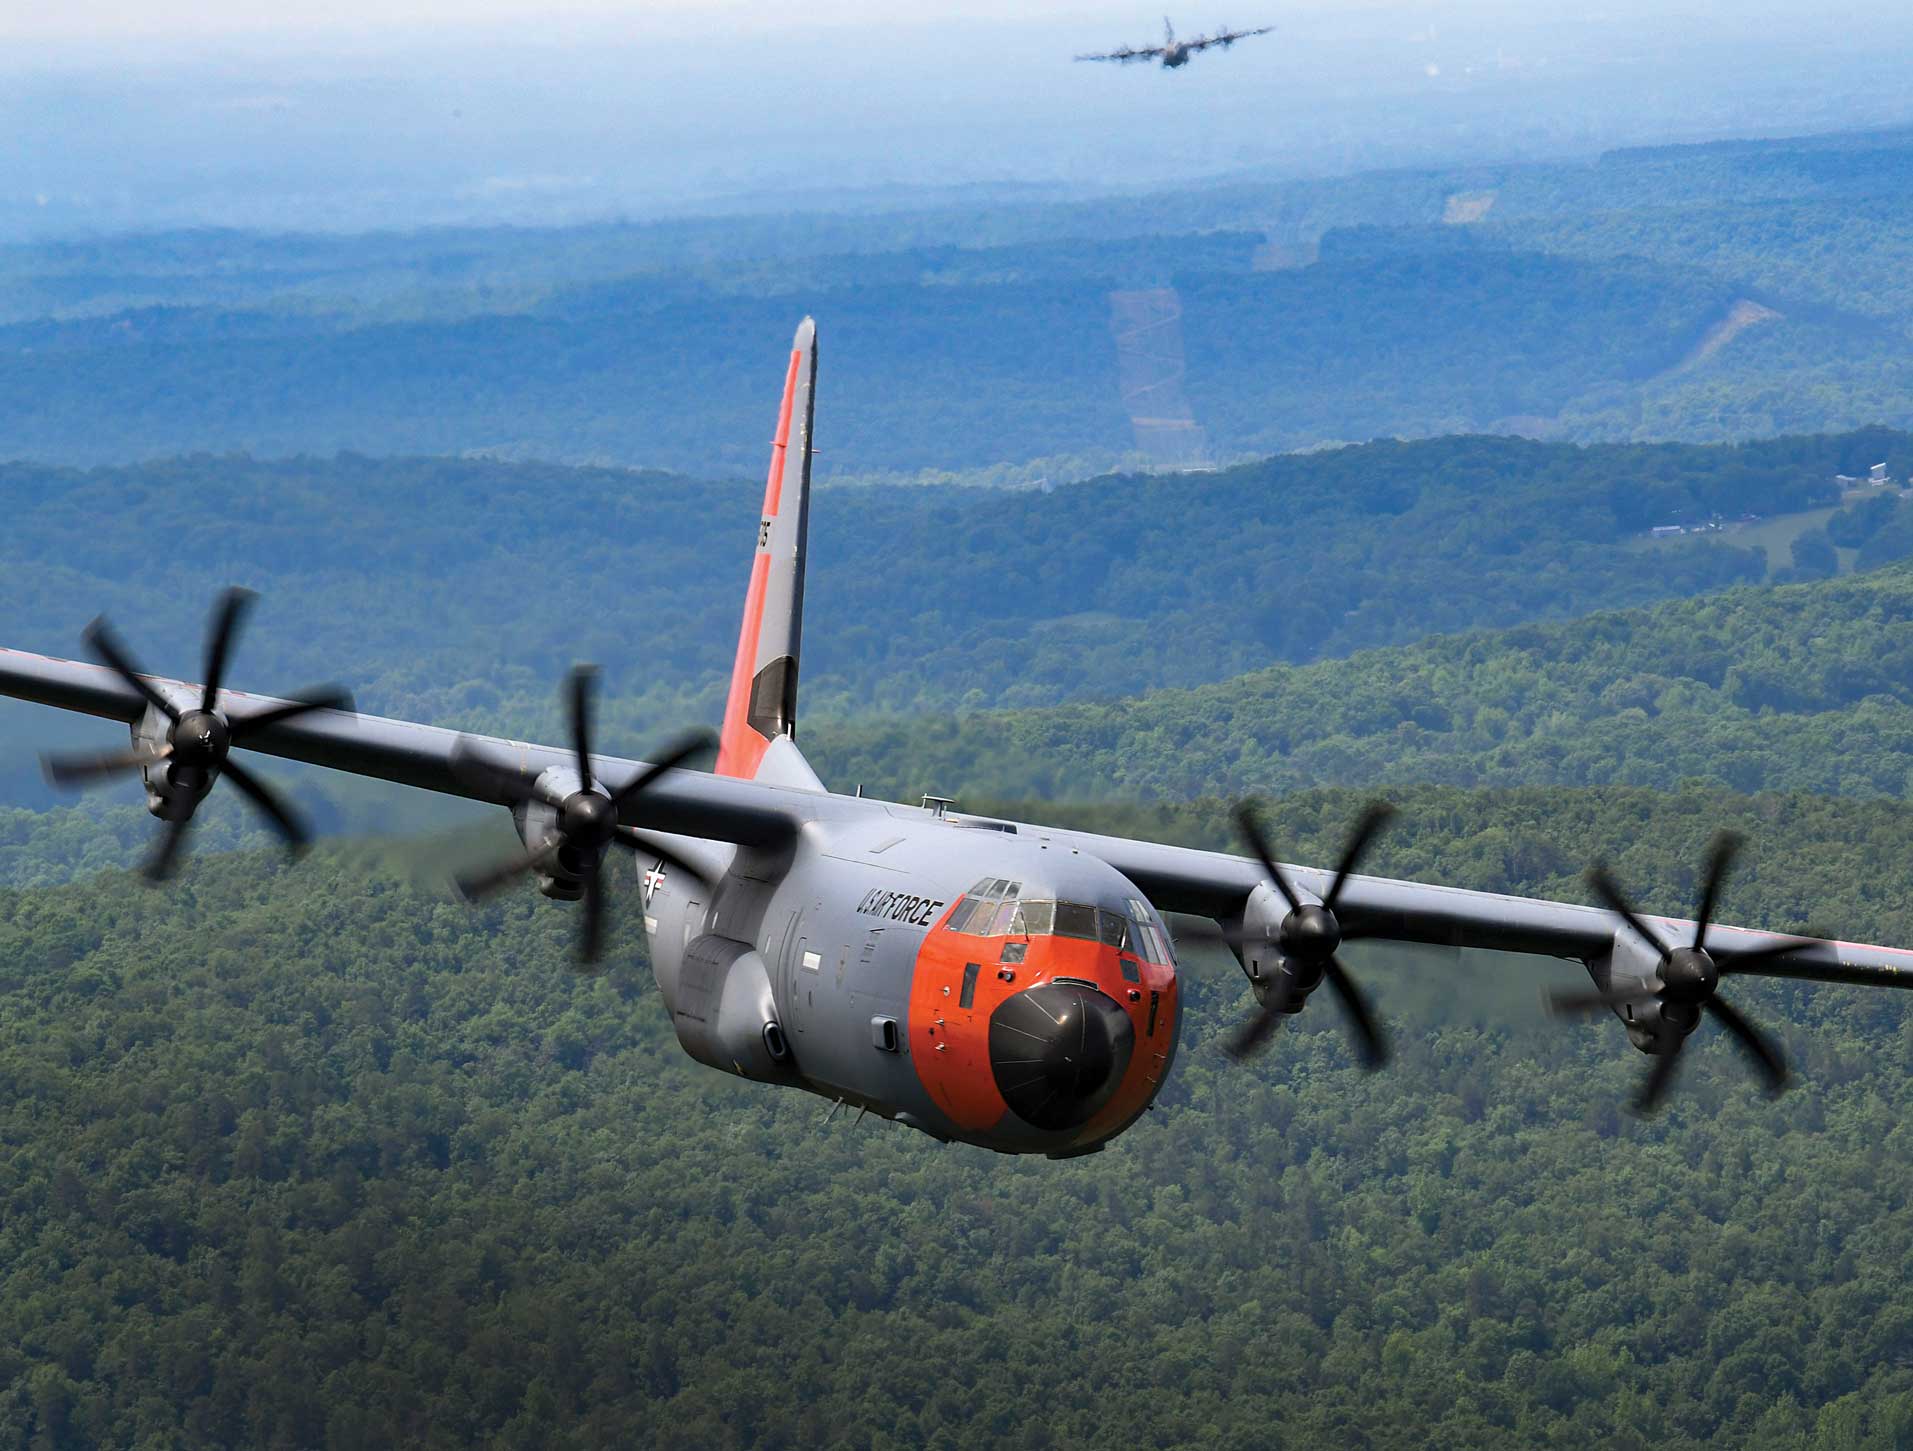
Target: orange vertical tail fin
x=762, y=705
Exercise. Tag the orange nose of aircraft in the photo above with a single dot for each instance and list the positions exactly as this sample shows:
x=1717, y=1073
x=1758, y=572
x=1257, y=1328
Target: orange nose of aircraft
x=1058, y=1052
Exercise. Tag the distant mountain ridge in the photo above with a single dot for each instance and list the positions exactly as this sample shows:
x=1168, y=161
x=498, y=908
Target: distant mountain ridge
x=1556, y=303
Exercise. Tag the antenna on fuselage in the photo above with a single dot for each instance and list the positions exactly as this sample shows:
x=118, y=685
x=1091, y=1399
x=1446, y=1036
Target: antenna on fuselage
x=937, y=806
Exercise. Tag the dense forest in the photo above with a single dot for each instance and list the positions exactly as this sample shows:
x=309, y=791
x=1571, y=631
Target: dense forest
x=459, y=583
x=440, y=575
x=1798, y=687
x=313, y=1156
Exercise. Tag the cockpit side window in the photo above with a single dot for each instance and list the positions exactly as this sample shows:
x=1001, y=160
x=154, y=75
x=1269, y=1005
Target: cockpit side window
x=1076, y=920
x=960, y=915
x=1035, y=919
x=995, y=908
x=1147, y=936
x=987, y=909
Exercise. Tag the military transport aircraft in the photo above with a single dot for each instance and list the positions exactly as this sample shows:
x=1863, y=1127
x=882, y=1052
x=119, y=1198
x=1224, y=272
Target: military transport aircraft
x=1174, y=53
x=988, y=981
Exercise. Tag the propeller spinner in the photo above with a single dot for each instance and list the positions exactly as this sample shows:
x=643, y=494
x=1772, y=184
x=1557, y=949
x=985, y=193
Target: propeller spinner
x=194, y=749
x=585, y=824
x=1309, y=938
x=1685, y=982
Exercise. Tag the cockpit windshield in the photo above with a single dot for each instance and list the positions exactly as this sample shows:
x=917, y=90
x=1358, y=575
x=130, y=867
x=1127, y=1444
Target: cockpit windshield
x=996, y=908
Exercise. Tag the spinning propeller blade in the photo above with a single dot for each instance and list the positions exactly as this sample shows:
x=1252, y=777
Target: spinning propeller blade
x=1308, y=937
x=1686, y=980
x=194, y=752
x=586, y=817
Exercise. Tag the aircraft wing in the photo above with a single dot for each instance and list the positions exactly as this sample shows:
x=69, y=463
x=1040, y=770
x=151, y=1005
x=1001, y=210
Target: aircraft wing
x=1218, y=885
x=681, y=802
x=1226, y=38
x=1125, y=55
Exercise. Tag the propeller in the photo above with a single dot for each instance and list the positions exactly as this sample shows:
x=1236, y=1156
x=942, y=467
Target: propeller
x=197, y=742
x=586, y=823
x=1309, y=937
x=1685, y=981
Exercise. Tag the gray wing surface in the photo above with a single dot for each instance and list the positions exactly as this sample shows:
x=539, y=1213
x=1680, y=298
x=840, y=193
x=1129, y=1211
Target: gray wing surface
x=688, y=803
x=1126, y=55
x=717, y=808
x=1226, y=38
x=1218, y=885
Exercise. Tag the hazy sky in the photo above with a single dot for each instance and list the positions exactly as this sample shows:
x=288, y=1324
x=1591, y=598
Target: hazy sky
x=120, y=19
x=357, y=113
x=114, y=20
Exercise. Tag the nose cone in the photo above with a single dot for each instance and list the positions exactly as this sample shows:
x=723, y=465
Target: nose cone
x=1058, y=1052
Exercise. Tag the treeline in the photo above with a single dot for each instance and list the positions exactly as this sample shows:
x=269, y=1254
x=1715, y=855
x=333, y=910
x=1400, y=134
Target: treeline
x=455, y=590
x=316, y=1157
x=1800, y=687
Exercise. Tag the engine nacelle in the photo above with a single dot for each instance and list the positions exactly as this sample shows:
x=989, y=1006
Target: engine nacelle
x=536, y=822
x=725, y=1012
x=1270, y=969
x=1631, y=960
x=150, y=733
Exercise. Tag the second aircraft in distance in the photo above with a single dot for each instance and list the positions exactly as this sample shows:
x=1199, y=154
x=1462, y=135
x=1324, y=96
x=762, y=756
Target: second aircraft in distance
x=1175, y=53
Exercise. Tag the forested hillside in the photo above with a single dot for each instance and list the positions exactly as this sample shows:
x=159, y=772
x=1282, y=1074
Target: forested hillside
x=458, y=588
x=1581, y=302
x=941, y=362
x=938, y=370
x=1799, y=687
x=316, y=1157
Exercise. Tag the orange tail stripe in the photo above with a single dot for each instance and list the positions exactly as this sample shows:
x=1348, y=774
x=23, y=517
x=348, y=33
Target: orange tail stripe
x=740, y=748
x=774, y=485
